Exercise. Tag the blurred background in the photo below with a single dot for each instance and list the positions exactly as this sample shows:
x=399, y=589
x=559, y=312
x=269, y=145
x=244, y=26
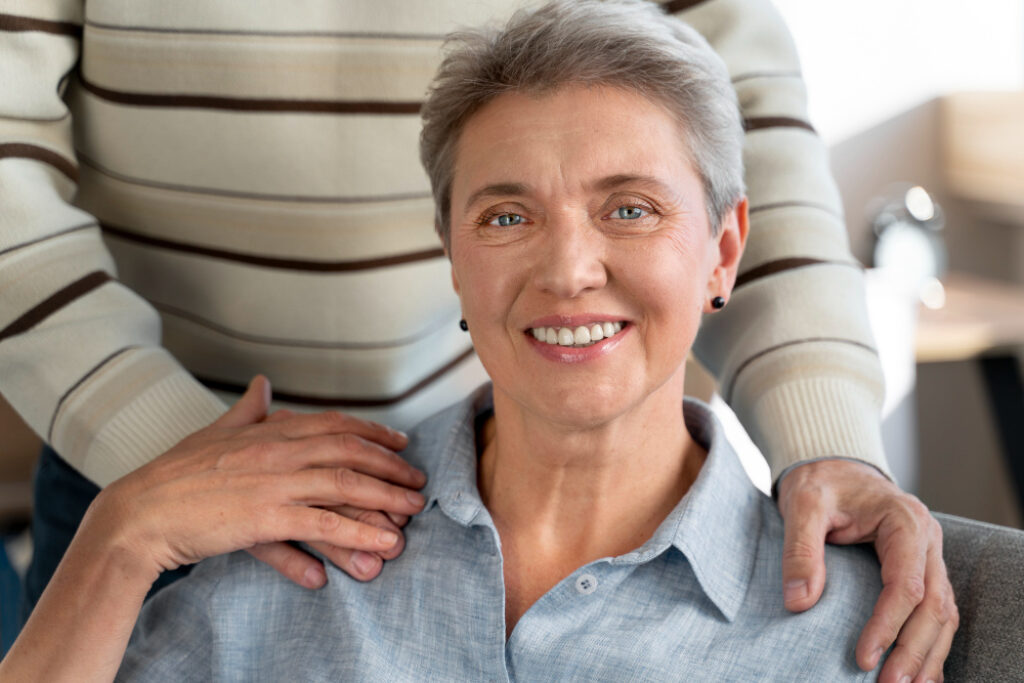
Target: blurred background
x=922, y=105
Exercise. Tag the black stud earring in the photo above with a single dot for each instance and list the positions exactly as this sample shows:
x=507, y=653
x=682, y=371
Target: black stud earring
x=718, y=303
x=464, y=325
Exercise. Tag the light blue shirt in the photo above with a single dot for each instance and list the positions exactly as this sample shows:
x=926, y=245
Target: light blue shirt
x=700, y=601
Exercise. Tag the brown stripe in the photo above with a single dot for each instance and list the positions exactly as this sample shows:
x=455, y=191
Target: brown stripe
x=10, y=22
x=270, y=262
x=762, y=122
x=781, y=265
x=318, y=199
x=673, y=6
x=267, y=34
x=253, y=104
x=796, y=204
x=743, y=366
x=80, y=382
x=342, y=402
x=51, y=305
x=76, y=228
x=20, y=150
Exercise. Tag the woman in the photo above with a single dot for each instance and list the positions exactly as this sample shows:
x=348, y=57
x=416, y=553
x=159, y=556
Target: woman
x=578, y=522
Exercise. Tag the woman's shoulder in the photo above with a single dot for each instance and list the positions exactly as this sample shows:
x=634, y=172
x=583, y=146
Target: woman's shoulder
x=450, y=429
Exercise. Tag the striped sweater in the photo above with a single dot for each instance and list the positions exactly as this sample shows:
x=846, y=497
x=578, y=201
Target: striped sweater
x=197, y=191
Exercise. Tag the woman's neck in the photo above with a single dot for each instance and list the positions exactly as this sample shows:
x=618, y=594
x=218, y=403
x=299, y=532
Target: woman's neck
x=567, y=496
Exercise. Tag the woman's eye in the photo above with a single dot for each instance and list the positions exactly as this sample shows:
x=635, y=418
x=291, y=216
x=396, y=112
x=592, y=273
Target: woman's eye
x=505, y=220
x=629, y=213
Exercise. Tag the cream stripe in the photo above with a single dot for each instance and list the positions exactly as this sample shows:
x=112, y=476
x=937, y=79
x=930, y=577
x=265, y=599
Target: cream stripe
x=33, y=201
x=317, y=307
x=364, y=373
x=336, y=155
x=802, y=306
x=30, y=275
x=352, y=16
x=795, y=231
x=785, y=97
x=802, y=174
x=52, y=10
x=750, y=35
x=307, y=230
x=31, y=65
x=314, y=68
x=55, y=135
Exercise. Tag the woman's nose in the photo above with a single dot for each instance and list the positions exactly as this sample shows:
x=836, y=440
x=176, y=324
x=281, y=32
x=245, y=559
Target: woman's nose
x=571, y=261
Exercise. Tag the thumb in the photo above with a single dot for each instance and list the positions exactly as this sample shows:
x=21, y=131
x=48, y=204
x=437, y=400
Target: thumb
x=251, y=407
x=803, y=557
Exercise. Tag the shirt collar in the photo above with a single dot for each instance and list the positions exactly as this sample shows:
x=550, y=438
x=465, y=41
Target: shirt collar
x=715, y=526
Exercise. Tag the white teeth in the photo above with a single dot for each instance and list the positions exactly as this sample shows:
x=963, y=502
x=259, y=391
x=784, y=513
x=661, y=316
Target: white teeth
x=580, y=336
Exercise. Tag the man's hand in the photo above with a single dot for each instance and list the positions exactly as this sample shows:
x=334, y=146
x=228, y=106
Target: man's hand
x=843, y=502
x=253, y=482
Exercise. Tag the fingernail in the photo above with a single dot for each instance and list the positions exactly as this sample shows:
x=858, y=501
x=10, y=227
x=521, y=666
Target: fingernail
x=314, y=577
x=875, y=658
x=795, y=590
x=420, y=477
x=905, y=679
x=389, y=538
x=364, y=562
x=415, y=498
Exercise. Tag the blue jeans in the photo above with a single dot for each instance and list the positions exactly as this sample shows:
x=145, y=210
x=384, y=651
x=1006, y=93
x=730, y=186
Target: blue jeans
x=61, y=496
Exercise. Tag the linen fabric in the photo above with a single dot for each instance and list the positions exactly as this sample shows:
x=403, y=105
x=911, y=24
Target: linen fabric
x=699, y=601
x=198, y=191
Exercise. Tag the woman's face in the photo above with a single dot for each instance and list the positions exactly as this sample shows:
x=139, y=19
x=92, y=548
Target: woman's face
x=579, y=210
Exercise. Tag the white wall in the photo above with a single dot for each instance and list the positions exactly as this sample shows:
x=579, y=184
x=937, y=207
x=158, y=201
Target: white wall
x=869, y=60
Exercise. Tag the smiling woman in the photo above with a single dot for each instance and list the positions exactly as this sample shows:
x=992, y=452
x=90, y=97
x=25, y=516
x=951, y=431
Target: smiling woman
x=581, y=521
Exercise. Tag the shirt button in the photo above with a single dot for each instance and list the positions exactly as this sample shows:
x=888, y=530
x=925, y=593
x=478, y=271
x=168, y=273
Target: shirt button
x=586, y=584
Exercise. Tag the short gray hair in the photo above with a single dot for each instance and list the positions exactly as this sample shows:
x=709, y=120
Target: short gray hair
x=629, y=44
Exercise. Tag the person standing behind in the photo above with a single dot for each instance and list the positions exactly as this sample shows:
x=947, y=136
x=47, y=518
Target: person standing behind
x=213, y=156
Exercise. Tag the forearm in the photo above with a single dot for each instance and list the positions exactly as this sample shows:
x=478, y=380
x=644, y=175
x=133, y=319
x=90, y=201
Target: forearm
x=793, y=351
x=80, y=628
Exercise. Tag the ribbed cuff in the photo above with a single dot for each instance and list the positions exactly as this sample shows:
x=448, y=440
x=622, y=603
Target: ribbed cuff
x=157, y=418
x=813, y=418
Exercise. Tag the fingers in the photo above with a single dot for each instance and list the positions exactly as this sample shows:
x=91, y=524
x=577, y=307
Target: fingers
x=356, y=453
x=301, y=568
x=360, y=565
x=342, y=486
x=332, y=422
x=317, y=525
x=251, y=407
x=903, y=553
x=925, y=639
x=803, y=554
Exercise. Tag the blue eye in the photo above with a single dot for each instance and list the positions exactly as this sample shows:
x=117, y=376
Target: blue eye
x=629, y=213
x=506, y=220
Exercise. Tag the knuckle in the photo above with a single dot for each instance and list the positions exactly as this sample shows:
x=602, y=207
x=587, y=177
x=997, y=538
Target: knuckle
x=345, y=479
x=913, y=589
x=327, y=522
x=799, y=550
x=808, y=497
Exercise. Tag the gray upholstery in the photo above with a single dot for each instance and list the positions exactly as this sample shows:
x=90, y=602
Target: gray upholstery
x=986, y=568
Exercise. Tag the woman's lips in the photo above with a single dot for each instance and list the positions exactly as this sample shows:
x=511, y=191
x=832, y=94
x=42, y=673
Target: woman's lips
x=572, y=353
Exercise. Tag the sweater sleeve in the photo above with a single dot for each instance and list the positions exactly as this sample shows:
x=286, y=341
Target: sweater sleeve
x=793, y=351
x=80, y=355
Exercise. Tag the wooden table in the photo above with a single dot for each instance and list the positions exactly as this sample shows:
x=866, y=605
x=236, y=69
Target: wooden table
x=983, y=321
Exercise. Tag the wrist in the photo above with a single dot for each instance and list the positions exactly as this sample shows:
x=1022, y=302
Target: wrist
x=112, y=535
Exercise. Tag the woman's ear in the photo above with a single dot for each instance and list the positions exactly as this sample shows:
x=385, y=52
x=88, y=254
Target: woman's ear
x=730, y=241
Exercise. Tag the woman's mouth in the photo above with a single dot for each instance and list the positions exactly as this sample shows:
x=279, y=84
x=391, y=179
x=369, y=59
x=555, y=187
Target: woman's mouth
x=577, y=337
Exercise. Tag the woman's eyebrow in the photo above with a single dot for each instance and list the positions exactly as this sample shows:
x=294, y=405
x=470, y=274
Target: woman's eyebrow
x=497, y=190
x=613, y=181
